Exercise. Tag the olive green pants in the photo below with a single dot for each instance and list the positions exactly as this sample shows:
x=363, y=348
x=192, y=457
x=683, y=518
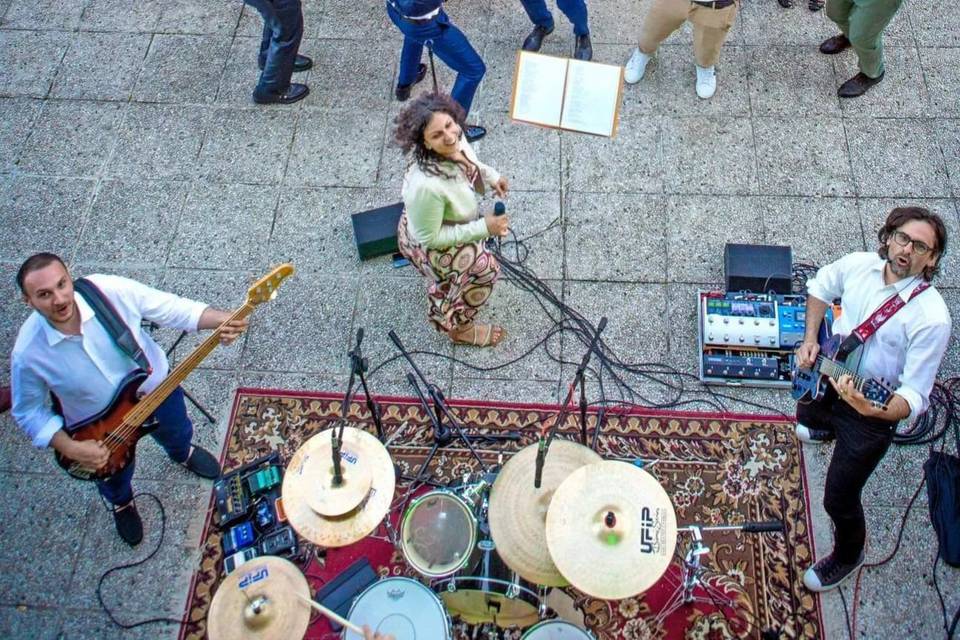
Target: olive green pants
x=863, y=22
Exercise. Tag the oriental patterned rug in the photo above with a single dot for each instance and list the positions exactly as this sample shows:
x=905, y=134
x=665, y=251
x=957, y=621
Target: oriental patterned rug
x=717, y=469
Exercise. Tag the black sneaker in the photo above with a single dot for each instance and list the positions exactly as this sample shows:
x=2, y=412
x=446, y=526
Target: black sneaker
x=534, y=41
x=402, y=91
x=813, y=436
x=829, y=573
x=128, y=523
x=202, y=463
x=294, y=93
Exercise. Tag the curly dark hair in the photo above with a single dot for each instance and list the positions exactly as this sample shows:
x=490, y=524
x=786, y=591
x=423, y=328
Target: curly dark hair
x=411, y=122
x=901, y=216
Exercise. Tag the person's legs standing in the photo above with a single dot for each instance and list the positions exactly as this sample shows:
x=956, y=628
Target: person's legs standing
x=538, y=13
x=576, y=12
x=285, y=20
x=453, y=48
x=663, y=18
x=175, y=430
x=865, y=30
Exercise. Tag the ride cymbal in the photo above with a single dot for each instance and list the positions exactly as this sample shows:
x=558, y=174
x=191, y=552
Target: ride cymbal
x=518, y=511
x=611, y=530
x=260, y=600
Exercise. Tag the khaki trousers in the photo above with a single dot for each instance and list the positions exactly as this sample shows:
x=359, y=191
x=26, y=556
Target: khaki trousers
x=710, y=27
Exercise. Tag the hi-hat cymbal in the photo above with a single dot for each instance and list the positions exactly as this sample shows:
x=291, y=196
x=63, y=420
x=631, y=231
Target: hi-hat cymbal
x=359, y=449
x=611, y=529
x=322, y=496
x=260, y=600
x=518, y=511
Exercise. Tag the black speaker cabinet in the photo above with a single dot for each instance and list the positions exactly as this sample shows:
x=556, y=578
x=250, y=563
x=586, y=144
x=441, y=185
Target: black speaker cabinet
x=759, y=268
x=375, y=231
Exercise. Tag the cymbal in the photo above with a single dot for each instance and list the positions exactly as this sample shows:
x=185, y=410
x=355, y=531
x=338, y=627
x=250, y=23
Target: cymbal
x=260, y=601
x=359, y=449
x=322, y=496
x=611, y=529
x=518, y=511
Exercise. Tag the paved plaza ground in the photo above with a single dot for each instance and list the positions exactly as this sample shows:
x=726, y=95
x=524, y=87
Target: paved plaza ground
x=129, y=144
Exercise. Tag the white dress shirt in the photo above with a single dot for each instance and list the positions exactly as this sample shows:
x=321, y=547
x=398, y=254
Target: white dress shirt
x=905, y=351
x=85, y=371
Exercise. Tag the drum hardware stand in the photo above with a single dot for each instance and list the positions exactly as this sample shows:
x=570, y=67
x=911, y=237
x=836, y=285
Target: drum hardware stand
x=578, y=380
x=694, y=572
x=358, y=366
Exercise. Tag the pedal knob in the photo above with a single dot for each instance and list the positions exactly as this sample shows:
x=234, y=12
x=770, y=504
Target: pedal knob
x=741, y=339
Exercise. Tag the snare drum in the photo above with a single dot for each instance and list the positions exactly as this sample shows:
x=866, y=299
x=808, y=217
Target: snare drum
x=491, y=593
x=438, y=534
x=401, y=607
x=556, y=630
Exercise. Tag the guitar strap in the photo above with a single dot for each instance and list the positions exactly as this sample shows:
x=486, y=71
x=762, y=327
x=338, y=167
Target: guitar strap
x=112, y=322
x=876, y=320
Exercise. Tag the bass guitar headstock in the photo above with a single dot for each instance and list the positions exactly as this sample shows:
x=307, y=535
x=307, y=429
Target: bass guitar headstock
x=265, y=289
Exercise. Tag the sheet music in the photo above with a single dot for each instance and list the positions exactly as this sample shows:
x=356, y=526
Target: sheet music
x=592, y=96
x=538, y=91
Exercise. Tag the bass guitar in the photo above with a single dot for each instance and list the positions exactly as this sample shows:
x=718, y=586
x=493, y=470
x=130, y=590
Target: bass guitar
x=810, y=384
x=121, y=425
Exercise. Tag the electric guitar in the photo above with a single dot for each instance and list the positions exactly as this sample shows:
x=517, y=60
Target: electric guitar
x=121, y=425
x=811, y=384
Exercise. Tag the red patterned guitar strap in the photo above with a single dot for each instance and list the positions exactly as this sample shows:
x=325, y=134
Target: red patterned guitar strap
x=876, y=320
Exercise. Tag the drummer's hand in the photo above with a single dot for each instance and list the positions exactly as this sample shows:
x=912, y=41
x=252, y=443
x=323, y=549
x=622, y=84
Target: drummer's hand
x=370, y=635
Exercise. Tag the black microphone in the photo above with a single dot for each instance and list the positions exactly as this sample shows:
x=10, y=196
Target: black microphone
x=359, y=336
x=763, y=527
x=499, y=208
x=541, y=458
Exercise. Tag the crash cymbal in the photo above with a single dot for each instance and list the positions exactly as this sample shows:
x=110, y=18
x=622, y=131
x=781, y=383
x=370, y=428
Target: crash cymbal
x=260, y=600
x=359, y=449
x=518, y=511
x=322, y=496
x=611, y=529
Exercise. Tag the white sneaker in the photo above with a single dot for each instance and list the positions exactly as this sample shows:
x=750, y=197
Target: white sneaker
x=636, y=66
x=706, y=82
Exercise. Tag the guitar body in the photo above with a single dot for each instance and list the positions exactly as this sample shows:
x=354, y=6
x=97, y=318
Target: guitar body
x=809, y=385
x=109, y=427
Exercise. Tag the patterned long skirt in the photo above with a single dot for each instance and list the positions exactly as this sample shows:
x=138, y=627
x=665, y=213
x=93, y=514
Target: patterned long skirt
x=461, y=278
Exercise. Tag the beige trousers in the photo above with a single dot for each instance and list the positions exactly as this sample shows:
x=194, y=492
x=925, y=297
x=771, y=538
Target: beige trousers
x=710, y=27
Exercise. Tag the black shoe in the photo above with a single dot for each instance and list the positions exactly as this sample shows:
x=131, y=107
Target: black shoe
x=833, y=45
x=300, y=63
x=202, y=463
x=403, y=90
x=128, y=523
x=474, y=133
x=294, y=93
x=583, y=49
x=534, y=41
x=829, y=573
x=813, y=436
x=857, y=85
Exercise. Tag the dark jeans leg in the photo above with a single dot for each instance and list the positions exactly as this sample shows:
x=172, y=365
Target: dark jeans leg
x=861, y=444
x=117, y=489
x=284, y=19
x=410, y=57
x=264, y=44
x=576, y=12
x=819, y=413
x=538, y=13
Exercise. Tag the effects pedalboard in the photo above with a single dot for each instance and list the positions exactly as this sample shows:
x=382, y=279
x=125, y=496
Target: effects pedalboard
x=748, y=338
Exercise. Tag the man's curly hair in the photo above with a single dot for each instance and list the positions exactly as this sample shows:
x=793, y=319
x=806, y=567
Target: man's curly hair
x=901, y=216
x=412, y=121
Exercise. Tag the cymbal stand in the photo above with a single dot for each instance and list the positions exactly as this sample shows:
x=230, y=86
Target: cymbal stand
x=693, y=571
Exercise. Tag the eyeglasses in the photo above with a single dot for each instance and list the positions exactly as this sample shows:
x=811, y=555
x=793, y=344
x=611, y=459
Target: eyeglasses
x=919, y=247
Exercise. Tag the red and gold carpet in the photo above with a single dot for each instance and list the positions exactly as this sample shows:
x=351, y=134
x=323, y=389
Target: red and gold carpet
x=716, y=469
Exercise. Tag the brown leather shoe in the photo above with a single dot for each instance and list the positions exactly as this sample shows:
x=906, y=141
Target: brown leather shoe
x=834, y=45
x=857, y=85
x=5, y=399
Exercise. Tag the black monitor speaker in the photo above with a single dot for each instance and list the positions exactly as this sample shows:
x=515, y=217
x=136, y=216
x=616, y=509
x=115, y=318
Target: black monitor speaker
x=759, y=268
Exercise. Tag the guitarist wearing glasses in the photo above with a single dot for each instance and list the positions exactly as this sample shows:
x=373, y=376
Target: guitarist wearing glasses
x=895, y=327
x=65, y=350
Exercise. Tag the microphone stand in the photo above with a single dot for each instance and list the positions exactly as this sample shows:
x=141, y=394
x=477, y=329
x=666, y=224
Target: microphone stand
x=358, y=366
x=578, y=380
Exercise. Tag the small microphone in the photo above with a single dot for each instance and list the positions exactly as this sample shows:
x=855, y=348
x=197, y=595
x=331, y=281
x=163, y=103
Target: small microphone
x=541, y=458
x=359, y=335
x=763, y=527
x=499, y=208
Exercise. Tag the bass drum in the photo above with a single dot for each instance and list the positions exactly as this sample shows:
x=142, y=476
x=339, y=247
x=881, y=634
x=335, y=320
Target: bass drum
x=556, y=630
x=401, y=607
x=492, y=592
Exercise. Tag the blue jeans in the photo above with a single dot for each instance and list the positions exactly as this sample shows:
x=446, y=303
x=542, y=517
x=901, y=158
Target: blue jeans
x=575, y=10
x=449, y=44
x=282, y=32
x=173, y=434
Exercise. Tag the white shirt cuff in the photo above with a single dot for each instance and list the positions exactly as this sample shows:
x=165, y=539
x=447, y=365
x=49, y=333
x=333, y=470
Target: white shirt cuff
x=914, y=400
x=195, y=313
x=44, y=435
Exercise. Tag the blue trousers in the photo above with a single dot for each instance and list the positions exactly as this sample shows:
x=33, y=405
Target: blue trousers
x=449, y=44
x=173, y=434
x=282, y=32
x=575, y=10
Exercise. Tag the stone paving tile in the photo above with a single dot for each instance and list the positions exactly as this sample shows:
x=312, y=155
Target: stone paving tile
x=43, y=14
x=948, y=134
x=246, y=145
x=109, y=15
x=506, y=148
x=766, y=23
x=93, y=624
x=929, y=25
x=533, y=391
x=132, y=222
x=632, y=159
x=252, y=25
x=708, y=154
x=357, y=20
x=188, y=16
x=693, y=256
x=902, y=92
x=336, y=165
x=30, y=61
x=535, y=219
x=790, y=81
x=896, y=158
x=601, y=229
x=617, y=21
x=29, y=622
x=803, y=156
x=820, y=230
x=182, y=68
x=46, y=212
x=159, y=141
x=241, y=74
x=17, y=116
x=83, y=76
x=677, y=95
x=941, y=70
x=71, y=138
x=355, y=73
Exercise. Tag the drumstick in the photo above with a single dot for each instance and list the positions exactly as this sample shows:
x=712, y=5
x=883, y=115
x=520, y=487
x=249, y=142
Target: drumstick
x=331, y=614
